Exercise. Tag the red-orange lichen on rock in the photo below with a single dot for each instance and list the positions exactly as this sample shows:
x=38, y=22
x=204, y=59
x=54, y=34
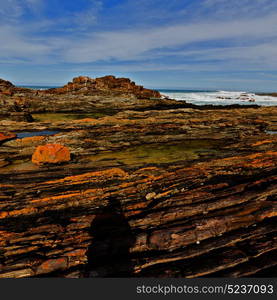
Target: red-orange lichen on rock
x=31, y=140
x=6, y=136
x=51, y=153
x=52, y=265
x=85, y=120
x=211, y=202
x=259, y=143
x=89, y=177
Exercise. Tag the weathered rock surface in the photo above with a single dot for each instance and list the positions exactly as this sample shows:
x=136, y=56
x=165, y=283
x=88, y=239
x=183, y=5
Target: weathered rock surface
x=165, y=193
x=6, y=87
x=6, y=137
x=83, y=94
x=86, y=86
x=268, y=94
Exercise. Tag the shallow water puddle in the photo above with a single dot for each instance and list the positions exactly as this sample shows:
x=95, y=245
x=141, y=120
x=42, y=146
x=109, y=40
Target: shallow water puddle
x=271, y=131
x=139, y=155
x=25, y=134
x=54, y=117
x=145, y=154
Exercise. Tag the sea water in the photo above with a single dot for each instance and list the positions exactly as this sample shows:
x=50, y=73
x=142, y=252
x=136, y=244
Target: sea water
x=202, y=97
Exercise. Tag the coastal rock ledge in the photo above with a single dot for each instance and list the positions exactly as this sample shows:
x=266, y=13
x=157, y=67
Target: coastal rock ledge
x=86, y=85
x=150, y=191
x=82, y=94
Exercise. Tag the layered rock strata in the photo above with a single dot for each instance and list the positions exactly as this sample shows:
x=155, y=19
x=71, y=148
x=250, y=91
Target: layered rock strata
x=83, y=94
x=163, y=193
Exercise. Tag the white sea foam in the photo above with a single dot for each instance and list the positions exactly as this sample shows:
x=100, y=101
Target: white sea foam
x=221, y=98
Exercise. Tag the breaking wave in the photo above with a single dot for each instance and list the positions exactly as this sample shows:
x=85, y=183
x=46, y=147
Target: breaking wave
x=220, y=97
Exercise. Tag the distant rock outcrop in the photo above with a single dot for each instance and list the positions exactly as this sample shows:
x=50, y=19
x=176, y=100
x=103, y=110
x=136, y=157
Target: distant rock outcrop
x=6, y=87
x=88, y=86
x=82, y=94
x=267, y=94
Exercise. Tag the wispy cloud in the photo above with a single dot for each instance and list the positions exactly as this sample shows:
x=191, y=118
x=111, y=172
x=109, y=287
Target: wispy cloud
x=10, y=9
x=133, y=44
x=84, y=20
x=16, y=46
x=140, y=36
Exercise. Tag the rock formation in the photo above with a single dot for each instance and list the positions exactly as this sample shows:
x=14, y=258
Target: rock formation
x=267, y=94
x=83, y=94
x=6, y=87
x=110, y=84
x=161, y=193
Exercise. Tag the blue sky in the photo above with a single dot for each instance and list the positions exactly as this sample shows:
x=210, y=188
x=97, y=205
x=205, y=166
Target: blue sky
x=216, y=44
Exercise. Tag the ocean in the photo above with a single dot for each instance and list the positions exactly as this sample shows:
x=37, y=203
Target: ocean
x=204, y=97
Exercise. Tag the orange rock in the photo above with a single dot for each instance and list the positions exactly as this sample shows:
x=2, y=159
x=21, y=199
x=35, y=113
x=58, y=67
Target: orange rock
x=31, y=141
x=50, y=153
x=52, y=265
x=85, y=120
x=6, y=137
x=262, y=143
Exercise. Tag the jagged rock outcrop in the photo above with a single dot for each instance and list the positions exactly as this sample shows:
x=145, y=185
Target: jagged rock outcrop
x=160, y=193
x=85, y=85
x=83, y=94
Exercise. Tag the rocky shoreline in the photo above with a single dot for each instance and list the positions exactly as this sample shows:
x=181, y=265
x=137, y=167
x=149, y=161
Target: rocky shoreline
x=267, y=94
x=150, y=187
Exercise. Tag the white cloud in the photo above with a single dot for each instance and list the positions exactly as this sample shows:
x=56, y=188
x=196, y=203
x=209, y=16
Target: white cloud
x=10, y=9
x=19, y=47
x=131, y=44
x=149, y=44
x=260, y=55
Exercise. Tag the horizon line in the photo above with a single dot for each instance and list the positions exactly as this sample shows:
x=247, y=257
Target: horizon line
x=159, y=88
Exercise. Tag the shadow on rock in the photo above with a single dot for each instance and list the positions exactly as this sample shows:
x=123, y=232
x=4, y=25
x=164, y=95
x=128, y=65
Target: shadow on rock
x=109, y=255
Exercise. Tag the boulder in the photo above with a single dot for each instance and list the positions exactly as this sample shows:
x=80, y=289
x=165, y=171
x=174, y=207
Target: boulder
x=51, y=154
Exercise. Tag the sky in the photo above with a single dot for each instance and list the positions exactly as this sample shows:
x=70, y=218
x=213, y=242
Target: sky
x=177, y=44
